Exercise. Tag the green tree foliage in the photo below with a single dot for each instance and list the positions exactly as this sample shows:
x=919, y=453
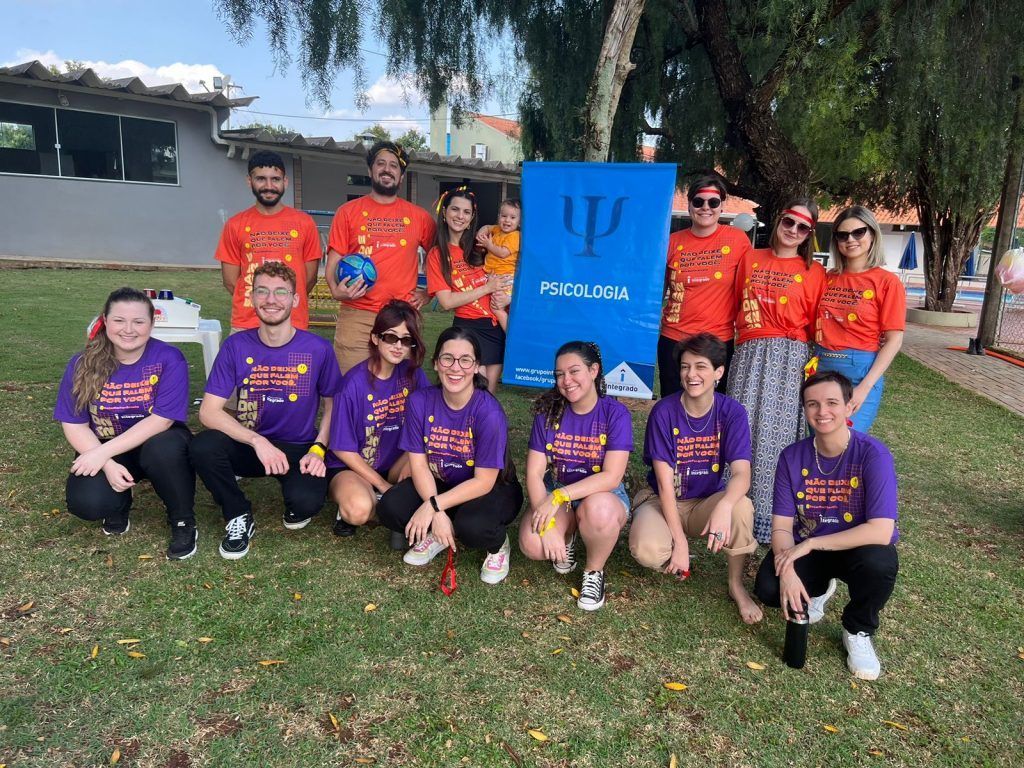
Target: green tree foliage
x=273, y=130
x=412, y=140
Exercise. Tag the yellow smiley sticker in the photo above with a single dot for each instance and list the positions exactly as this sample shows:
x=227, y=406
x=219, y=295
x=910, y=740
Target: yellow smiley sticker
x=248, y=229
x=799, y=494
x=248, y=246
x=718, y=275
x=869, y=294
x=754, y=265
x=798, y=278
x=302, y=367
x=854, y=482
x=369, y=417
x=783, y=299
x=402, y=242
x=469, y=463
x=366, y=213
x=430, y=419
x=293, y=397
x=362, y=228
x=675, y=430
x=245, y=381
x=287, y=257
x=248, y=360
x=852, y=317
x=294, y=233
x=596, y=468
x=549, y=447
x=804, y=472
x=679, y=248
x=714, y=467
x=726, y=250
x=848, y=517
x=370, y=398
x=405, y=391
x=407, y=221
x=603, y=439
x=154, y=379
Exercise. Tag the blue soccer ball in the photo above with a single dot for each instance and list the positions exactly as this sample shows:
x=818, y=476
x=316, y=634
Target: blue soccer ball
x=354, y=266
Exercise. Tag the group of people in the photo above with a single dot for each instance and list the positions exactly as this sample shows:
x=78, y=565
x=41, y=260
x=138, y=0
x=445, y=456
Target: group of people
x=432, y=462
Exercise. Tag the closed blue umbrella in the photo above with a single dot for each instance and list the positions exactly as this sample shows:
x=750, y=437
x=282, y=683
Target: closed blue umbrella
x=908, y=260
x=971, y=265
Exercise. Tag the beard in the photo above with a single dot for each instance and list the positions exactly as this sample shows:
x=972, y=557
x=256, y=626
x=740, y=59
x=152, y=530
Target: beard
x=381, y=188
x=263, y=195
x=272, y=322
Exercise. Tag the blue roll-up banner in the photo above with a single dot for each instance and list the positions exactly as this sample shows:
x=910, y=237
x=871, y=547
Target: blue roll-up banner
x=591, y=268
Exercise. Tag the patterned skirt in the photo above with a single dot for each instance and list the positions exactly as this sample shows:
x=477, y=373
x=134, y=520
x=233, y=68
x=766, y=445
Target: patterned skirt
x=765, y=376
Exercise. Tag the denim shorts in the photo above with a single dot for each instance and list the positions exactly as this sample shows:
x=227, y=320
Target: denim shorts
x=618, y=491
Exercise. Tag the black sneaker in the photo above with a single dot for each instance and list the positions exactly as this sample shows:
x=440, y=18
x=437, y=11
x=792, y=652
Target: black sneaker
x=184, y=538
x=398, y=541
x=343, y=528
x=240, y=529
x=114, y=527
x=591, y=591
x=293, y=522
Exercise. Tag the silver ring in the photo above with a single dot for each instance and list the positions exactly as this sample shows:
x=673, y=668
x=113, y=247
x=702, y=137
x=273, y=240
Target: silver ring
x=719, y=535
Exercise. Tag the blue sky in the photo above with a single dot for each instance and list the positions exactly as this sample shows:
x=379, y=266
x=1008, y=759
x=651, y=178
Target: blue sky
x=185, y=41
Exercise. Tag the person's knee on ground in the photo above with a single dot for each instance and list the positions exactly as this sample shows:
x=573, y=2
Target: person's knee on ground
x=650, y=541
x=355, y=503
x=92, y=499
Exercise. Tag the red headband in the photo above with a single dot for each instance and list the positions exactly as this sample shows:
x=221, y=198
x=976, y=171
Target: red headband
x=97, y=327
x=798, y=215
x=709, y=190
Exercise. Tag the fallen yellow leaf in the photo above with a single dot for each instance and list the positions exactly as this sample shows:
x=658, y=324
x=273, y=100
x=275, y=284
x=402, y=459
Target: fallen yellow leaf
x=205, y=639
x=334, y=721
x=894, y=724
x=95, y=652
x=564, y=619
x=65, y=630
x=673, y=761
x=369, y=607
x=556, y=651
x=145, y=557
x=115, y=756
x=271, y=662
x=876, y=752
x=297, y=596
x=5, y=642
x=136, y=655
x=853, y=685
x=526, y=635
x=538, y=735
x=1020, y=655
x=830, y=728
x=754, y=665
x=675, y=686
x=26, y=607
x=129, y=641
x=575, y=592
x=366, y=760
x=109, y=561
x=207, y=585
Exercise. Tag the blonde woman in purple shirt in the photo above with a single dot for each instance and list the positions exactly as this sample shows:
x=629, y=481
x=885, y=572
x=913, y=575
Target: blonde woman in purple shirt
x=834, y=517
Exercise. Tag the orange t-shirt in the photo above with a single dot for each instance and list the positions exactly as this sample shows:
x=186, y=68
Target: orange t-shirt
x=390, y=234
x=700, y=274
x=464, y=278
x=778, y=297
x=498, y=265
x=251, y=238
x=857, y=308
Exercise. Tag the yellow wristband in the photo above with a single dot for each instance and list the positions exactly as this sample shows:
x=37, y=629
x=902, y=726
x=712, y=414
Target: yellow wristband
x=316, y=450
x=559, y=497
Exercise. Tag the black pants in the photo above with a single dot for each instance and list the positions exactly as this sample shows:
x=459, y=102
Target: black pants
x=163, y=460
x=869, y=571
x=478, y=523
x=218, y=459
x=668, y=371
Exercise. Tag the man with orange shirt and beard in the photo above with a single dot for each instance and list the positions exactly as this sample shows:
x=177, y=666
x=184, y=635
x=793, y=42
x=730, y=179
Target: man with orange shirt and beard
x=268, y=231
x=390, y=231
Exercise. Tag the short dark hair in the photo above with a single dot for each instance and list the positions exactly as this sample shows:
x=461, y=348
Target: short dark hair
x=706, y=181
x=823, y=377
x=702, y=344
x=387, y=146
x=266, y=159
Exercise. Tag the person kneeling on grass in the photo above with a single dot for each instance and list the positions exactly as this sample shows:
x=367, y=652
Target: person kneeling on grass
x=690, y=439
x=463, y=486
x=834, y=518
x=579, y=448
x=365, y=460
x=122, y=405
x=281, y=374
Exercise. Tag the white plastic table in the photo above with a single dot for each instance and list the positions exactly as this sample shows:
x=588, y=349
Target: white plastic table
x=207, y=334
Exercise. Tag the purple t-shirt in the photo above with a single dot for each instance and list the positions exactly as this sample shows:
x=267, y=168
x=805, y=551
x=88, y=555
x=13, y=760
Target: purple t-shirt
x=279, y=388
x=860, y=488
x=576, y=444
x=155, y=383
x=698, y=450
x=368, y=414
x=455, y=442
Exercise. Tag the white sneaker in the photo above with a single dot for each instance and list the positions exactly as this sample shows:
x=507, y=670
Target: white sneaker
x=816, y=609
x=569, y=564
x=424, y=552
x=861, y=658
x=592, y=591
x=495, y=567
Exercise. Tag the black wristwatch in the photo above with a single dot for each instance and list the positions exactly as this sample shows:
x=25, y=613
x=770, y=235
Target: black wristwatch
x=433, y=503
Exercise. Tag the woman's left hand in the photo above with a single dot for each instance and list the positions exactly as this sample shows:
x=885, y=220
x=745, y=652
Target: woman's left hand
x=543, y=513
x=791, y=555
x=442, y=530
x=860, y=394
x=419, y=525
x=89, y=463
x=719, y=526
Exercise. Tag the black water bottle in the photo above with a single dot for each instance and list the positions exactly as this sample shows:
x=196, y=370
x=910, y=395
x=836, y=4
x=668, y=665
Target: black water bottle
x=795, y=651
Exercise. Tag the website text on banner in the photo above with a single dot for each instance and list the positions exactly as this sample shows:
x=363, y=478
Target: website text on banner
x=591, y=267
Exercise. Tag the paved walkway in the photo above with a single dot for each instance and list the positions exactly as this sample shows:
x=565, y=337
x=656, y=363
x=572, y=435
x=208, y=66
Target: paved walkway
x=990, y=377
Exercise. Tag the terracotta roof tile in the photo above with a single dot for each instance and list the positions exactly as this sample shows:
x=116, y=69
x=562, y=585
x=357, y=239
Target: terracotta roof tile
x=503, y=125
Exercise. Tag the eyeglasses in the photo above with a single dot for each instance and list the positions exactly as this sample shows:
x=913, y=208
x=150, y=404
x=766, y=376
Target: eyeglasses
x=699, y=202
x=799, y=226
x=279, y=293
x=842, y=236
x=393, y=338
x=447, y=361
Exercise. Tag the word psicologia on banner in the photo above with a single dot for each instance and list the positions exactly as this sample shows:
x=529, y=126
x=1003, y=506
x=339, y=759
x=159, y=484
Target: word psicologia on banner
x=591, y=268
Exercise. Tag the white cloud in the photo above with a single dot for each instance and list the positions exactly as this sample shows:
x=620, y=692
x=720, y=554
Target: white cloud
x=188, y=75
x=399, y=124
x=387, y=92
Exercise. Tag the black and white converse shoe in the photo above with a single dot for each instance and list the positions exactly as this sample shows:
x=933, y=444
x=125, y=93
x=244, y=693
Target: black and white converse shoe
x=569, y=564
x=592, y=591
x=235, y=544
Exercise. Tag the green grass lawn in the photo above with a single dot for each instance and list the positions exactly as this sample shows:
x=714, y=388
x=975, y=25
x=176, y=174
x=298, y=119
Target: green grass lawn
x=426, y=680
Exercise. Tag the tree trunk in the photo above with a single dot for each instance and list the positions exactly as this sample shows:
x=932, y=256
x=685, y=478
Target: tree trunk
x=613, y=67
x=776, y=170
x=949, y=236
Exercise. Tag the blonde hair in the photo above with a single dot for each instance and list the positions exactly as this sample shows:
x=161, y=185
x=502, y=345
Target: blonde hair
x=876, y=254
x=98, y=362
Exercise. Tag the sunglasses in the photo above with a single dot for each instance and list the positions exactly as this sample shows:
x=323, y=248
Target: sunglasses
x=699, y=202
x=790, y=223
x=393, y=338
x=857, y=234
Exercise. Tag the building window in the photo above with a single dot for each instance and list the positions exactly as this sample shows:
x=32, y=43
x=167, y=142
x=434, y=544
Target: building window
x=86, y=145
x=27, y=139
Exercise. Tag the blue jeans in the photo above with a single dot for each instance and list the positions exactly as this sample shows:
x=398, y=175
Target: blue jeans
x=854, y=364
x=618, y=492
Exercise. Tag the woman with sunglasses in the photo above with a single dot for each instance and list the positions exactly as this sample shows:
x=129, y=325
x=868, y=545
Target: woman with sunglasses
x=365, y=460
x=700, y=280
x=463, y=490
x=862, y=313
x=779, y=289
x=456, y=277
